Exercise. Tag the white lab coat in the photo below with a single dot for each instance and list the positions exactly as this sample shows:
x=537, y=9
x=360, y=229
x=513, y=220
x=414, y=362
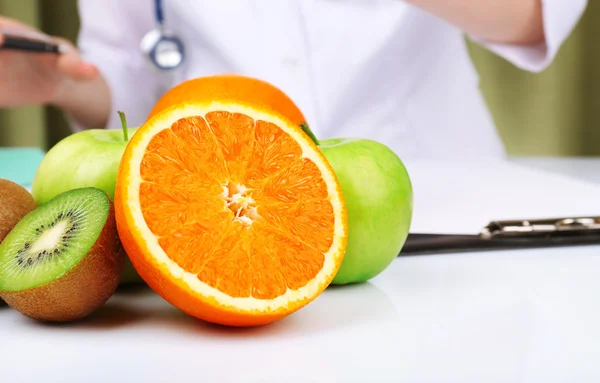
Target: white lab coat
x=378, y=69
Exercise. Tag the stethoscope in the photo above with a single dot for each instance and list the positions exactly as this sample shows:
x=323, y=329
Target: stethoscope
x=162, y=47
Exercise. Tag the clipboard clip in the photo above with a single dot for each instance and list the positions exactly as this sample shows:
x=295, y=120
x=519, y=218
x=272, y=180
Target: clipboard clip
x=542, y=227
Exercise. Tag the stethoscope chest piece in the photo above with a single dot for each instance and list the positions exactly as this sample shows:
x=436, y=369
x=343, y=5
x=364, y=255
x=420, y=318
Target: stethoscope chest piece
x=162, y=47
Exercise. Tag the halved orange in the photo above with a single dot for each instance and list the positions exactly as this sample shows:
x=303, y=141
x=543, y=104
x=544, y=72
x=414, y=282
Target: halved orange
x=230, y=212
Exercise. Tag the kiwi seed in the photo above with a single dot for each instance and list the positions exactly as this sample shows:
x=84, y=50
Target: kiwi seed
x=62, y=261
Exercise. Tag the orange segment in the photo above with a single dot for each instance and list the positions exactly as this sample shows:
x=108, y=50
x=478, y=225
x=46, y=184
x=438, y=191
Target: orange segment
x=230, y=212
x=198, y=138
x=165, y=160
x=192, y=246
x=301, y=180
x=235, y=135
x=167, y=209
x=302, y=218
x=228, y=265
x=272, y=151
x=296, y=261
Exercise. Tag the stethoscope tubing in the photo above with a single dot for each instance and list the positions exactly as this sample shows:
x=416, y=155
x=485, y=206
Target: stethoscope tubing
x=163, y=37
x=158, y=12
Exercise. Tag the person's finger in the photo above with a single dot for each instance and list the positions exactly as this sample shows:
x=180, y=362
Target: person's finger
x=77, y=69
x=71, y=64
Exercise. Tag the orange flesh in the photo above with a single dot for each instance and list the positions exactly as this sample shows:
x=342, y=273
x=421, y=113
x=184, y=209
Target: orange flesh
x=232, y=201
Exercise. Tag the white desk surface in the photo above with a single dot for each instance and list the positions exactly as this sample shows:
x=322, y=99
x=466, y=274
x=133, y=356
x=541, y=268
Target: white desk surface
x=586, y=168
x=520, y=316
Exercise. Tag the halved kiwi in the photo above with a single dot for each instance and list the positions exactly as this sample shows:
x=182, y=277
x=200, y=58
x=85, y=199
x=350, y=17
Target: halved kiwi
x=63, y=260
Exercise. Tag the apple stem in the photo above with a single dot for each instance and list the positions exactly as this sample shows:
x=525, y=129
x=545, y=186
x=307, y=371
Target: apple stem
x=306, y=129
x=124, y=125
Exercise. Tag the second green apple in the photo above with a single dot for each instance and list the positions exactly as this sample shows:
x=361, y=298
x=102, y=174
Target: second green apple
x=379, y=201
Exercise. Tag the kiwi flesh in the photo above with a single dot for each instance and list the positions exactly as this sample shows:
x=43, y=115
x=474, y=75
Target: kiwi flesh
x=63, y=260
x=15, y=203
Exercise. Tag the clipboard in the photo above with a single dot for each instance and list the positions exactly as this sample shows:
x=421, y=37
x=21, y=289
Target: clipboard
x=509, y=235
x=484, y=205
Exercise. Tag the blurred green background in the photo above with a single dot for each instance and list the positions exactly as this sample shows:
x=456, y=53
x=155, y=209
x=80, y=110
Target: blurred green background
x=554, y=113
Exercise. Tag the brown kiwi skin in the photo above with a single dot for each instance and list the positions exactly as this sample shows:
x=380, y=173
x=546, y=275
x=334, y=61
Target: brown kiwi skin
x=83, y=289
x=15, y=203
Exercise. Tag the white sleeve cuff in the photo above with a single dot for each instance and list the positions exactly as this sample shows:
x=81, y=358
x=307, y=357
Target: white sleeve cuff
x=560, y=17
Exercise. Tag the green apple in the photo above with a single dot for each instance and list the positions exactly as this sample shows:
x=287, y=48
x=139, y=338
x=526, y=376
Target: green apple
x=379, y=201
x=86, y=158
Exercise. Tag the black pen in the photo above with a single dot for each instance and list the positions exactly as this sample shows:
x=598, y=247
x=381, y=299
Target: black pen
x=28, y=45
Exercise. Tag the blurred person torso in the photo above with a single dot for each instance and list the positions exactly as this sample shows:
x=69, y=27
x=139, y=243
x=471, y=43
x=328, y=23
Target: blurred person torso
x=378, y=69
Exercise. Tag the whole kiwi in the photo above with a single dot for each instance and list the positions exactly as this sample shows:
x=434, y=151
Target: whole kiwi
x=15, y=203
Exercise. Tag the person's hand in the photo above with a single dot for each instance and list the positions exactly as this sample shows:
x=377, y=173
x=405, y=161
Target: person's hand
x=38, y=78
